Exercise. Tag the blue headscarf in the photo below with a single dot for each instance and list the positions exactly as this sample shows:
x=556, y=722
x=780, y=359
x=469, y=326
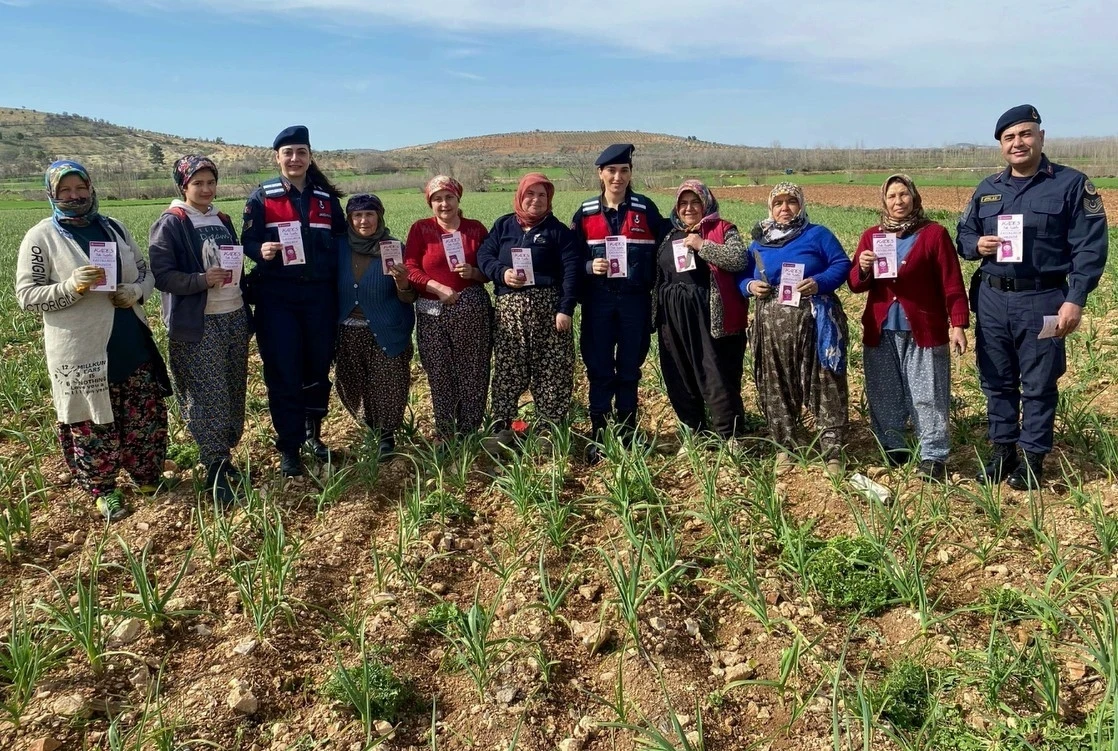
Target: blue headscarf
x=77, y=213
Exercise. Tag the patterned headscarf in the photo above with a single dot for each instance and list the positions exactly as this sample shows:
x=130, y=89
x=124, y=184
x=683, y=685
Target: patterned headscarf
x=78, y=213
x=772, y=232
x=442, y=182
x=532, y=178
x=186, y=167
x=915, y=218
x=369, y=246
x=710, y=203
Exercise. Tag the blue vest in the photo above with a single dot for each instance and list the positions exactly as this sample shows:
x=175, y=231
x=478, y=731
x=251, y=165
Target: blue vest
x=390, y=320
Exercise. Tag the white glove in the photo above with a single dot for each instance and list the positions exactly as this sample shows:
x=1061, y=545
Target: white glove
x=85, y=277
x=127, y=295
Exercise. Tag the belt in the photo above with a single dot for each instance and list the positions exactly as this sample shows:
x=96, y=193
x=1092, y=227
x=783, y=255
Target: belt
x=1020, y=284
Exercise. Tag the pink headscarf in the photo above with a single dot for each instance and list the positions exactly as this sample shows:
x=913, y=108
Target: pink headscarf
x=442, y=182
x=532, y=178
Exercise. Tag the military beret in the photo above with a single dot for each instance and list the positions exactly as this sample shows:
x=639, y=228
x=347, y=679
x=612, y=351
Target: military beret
x=1022, y=113
x=294, y=134
x=618, y=153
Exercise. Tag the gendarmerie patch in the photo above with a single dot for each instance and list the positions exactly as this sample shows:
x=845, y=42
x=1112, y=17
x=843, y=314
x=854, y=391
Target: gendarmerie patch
x=1090, y=189
x=990, y=199
x=1092, y=205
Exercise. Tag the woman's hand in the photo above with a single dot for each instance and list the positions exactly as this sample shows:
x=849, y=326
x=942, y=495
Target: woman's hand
x=446, y=295
x=988, y=245
x=693, y=242
x=958, y=338
x=85, y=277
x=269, y=250
x=600, y=266
x=757, y=288
x=469, y=273
x=215, y=277
x=808, y=286
x=399, y=275
x=126, y=295
x=562, y=322
x=511, y=280
x=865, y=262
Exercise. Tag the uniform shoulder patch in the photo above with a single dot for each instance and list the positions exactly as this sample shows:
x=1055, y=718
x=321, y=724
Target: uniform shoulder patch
x=990, y=198
x=1092, y=205
x=1090, y=189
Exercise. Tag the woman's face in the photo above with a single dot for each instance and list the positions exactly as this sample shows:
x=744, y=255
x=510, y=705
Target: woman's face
x=615, y=177
x=293, y=160
x=444, y=205
x=71, y=188
x=689, y=207
x=898, y=200
x=785, y=208
x=535, y=200
x=364, y=223
x=201, y=189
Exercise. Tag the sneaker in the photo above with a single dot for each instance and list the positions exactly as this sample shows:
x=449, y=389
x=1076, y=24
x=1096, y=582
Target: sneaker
x=291, y=464
x=112, y=506
x=1004, y=461
x=782, y=464
x=931, y=470
x=1029, y=474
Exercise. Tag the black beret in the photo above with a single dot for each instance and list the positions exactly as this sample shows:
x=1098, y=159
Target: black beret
x=294, y=134
x=1022, y=113
x=618, y=153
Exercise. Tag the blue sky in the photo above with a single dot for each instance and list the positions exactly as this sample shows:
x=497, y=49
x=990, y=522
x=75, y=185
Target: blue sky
x=383, y=74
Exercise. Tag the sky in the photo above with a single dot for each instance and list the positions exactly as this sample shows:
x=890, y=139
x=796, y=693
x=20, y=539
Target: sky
x=384, y=74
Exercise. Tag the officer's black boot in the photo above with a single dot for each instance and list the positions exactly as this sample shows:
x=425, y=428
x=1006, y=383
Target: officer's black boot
x=314, y=439
x=1004, y=460
x=627, y=427
x=291, y=464
x=1029, y=473
x=594, y=452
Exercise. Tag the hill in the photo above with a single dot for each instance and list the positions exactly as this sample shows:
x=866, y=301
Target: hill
x=560, y=143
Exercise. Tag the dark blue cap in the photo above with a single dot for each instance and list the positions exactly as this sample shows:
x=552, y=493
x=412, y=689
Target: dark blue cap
x=294, y=134
x=1022, y=113
x=618, y=153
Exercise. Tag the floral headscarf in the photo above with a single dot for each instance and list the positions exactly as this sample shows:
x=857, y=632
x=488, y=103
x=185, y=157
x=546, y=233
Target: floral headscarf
x=186, y=167
x=710, y=203
x=532, y=178
x=442, y=182
x=915, y=219
x=772, y=232
x=79, y=212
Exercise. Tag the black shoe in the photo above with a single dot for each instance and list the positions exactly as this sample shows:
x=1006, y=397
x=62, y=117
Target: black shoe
x=598, y=427
x=898, y=457
x=1004, y=461
x=627, y=423
x=291, y=464
x=594, y=454
x=385, y=449
x=931, y=470
x=1029, y=473
x=314, y=442
x=217, y=483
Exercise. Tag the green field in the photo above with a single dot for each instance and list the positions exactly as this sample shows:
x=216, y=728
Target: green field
x=679, y=598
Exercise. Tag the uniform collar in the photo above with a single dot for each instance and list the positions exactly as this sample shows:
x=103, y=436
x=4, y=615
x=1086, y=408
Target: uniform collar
x=624, y=201
x=1045, y=168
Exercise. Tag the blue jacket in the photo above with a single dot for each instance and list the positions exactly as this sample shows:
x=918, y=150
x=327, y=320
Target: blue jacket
x=555, y=257
x=816, y=248
x=1065, y=227
x=390, y=319
x=638, y=218
x=322, y=220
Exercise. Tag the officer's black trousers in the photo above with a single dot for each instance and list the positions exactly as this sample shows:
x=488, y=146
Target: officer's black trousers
x=295, y=328
x=614, y=341
x=1018, y=371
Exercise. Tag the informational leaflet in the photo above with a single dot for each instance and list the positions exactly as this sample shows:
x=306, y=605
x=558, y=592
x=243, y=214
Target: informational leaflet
x=391, y=254
x=522, y=265
x=453, y=249
x=103, y=255
x=617, y=256
x=1048, y=329
x=291, y=238
x=684, y=257
x=885, y=255
x=232, y=261
x=791, y=274
x=1011, y=231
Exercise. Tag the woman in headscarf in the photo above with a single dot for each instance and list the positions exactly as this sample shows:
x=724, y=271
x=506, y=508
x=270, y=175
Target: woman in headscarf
x=532, y=259
x=798, y=335
x=454, y=314
x=108, y=379
x=700, y=315
x=375, y=321
x=916, y=307
x=208, y=324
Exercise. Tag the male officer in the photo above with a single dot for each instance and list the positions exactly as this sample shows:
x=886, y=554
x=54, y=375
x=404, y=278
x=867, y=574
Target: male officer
x=1063, y=255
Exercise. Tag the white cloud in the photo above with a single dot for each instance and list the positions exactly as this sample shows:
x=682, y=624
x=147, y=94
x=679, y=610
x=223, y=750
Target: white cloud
x=892, y=43
x=464, y=75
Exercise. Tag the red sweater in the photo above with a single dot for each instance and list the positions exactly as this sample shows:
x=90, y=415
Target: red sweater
x=929, y=287
x=423, y=254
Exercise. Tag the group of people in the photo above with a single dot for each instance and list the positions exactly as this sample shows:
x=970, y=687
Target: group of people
x=332, y=287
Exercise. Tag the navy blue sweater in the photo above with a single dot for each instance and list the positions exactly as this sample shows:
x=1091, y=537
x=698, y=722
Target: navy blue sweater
x=390, y=320
x=555, y=257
